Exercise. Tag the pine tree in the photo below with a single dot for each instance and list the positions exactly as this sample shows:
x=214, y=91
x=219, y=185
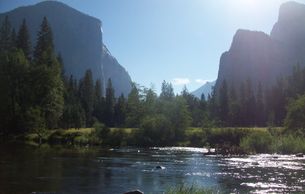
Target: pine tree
x=99, y=101
x=202, y=97
x=109, y=104
x=44, y=42
x=180, y=117
x=150, y=101
x=23, y=40
x=13, y=90
x=250, y=104
x=134, y=108
x=242, y=105
x=46, y=77
x=167, y=91
x=260, y=107
x=223, y=103
x=277, y=103
x=13, y=39
x=234, y=108
x=87, y=96
x=120, y=111
x=212, y=106
x=6, y=42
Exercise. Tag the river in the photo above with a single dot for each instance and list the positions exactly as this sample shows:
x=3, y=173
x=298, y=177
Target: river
x=26, y=169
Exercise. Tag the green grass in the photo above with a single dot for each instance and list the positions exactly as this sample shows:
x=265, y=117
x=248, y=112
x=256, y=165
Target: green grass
x=82, y=131
x=246, y=140
x=189, y=190
x=124, y=130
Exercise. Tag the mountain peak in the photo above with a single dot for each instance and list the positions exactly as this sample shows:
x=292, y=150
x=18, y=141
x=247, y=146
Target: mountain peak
x=247, y=38
x=262, y=58
x=291, y=11
x=205, y=89
x=77, y=37
x=52, y=3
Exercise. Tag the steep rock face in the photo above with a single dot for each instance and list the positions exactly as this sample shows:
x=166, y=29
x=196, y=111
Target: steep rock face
x=290, y=29
x=255, y=56
x=112, y=69
x=262, y=58
x=77, y=37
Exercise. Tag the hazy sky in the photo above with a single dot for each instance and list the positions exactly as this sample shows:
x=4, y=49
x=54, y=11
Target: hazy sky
x=180, y=41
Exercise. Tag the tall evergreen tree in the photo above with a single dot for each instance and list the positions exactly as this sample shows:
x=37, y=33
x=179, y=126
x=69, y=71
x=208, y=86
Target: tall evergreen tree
x=13, y=39
x=120, y=111
x=134, y=108
x=167, y=91
x=44, y=41
x=193, y=106
x=223, y=103
x=74, y=114
x=212, y=107
x=23, y=40
x=150, y=101
x=6, y=41
x=180, y=118
x=250, y=104
x=99, y=101
x=87, y=96
x=260, y=106
x=46, y=77
x=109, y=104
x=13, y=89
x=277, y=101
x=234, y=108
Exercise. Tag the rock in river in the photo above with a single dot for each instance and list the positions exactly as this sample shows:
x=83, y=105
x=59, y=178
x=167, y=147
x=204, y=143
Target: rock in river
x=134, y=192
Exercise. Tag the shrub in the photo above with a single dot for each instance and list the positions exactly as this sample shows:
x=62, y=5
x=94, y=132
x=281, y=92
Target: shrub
x=114, y=138
x=157, y=130
x=81, y=140
x=225, y=136
x=189, y=190
x=295, y=118
x=257, y=142
x=101, y=130
x=290, y=144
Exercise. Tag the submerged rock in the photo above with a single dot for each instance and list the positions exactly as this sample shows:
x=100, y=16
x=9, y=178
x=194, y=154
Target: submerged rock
x=299, y=155
x=134, y=192
x=160, y=167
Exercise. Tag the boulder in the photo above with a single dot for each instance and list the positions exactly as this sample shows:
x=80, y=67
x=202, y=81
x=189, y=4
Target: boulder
x=160, y=167
x=299, y=155
x=134, y=192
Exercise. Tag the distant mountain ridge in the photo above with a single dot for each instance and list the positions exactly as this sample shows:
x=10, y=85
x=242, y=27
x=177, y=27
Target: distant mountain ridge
x=205, y=89
x=78, y=38
x=262, y=58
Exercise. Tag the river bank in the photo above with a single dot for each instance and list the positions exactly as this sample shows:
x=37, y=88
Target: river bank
x=233, y=141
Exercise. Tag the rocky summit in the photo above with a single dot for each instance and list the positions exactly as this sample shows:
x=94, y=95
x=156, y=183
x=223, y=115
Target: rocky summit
x=262, y=58
x=78, y=38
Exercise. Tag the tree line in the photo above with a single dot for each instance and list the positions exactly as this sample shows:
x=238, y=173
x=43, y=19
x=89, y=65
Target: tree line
x=250, y=106
x=31, y=85
x=36, y=95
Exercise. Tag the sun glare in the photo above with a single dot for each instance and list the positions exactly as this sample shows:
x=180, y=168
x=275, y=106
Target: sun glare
x=245, y=5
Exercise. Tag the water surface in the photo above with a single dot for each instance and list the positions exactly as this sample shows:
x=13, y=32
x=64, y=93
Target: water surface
x=95, y=170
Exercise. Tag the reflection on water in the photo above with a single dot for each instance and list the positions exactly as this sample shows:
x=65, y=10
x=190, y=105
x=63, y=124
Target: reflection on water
x=266, y=173
x=94, y=170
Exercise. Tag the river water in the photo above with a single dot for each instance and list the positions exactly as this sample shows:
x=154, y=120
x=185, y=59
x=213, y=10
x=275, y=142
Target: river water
x=95, y=170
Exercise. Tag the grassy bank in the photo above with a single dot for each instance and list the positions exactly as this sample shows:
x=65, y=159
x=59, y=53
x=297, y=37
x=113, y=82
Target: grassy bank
x=183, y=189
x=232, y=140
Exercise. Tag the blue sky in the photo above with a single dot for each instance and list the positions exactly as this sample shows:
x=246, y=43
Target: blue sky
x=179, y=41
